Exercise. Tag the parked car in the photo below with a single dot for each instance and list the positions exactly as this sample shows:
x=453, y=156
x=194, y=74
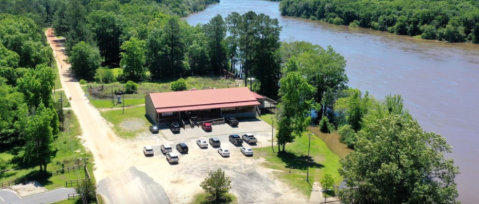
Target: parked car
x=249, y=138
x=224, y=152
x=202, y=143
x=182, y=148
x=247, y=151
x=165, y=148
x=148, y=150
x=232, y=122
x=175, y=127
x=206, y=126
x=154, y=129
x=215, y=142
x=172, y=157
x=236, y=140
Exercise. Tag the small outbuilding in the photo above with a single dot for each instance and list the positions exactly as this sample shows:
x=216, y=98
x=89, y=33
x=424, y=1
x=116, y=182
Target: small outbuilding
x=201, y=105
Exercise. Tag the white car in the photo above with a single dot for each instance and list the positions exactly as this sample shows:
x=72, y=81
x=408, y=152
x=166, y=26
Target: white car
x=172, y=157
x=224, y=152
x=165, y=148
x=148, y=150
x=202, y=143
x=247, y=151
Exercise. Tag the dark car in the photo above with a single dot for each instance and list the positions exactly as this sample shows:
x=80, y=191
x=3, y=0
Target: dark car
x=175, y=127
x=206, y=127
x=182, y=148
x=215, y=142
x=236, y=140
x=154, y=129
x=232, y=122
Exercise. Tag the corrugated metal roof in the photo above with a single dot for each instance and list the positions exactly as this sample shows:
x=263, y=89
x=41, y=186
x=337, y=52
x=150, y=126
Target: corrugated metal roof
x=257, y=95
x=203, y=99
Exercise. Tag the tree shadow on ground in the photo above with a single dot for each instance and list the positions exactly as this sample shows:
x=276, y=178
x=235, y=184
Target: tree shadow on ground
x=294, y=161
x=221, y=200
x=19, y=163
x=41, y=177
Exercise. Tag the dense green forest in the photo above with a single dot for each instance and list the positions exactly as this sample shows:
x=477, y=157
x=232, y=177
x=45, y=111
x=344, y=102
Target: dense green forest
x=28, y=115
x=451, y=20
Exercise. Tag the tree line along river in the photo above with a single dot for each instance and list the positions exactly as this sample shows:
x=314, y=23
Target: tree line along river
x=438, y=81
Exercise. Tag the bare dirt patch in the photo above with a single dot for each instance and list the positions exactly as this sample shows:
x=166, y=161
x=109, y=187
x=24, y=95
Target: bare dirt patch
x=30, y=188
x=132, y=125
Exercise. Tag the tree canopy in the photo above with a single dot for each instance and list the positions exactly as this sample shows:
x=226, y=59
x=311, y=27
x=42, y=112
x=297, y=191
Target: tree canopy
x=84, y=60
x=445, y=20
x=133, y=58
x=323, y=68
x=296, y=101
x=396, y=161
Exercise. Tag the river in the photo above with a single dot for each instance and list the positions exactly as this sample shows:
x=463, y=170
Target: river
x=438, y=81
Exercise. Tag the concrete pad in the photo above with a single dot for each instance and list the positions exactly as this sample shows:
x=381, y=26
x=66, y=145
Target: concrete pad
x=30, y=188
x=245, y=126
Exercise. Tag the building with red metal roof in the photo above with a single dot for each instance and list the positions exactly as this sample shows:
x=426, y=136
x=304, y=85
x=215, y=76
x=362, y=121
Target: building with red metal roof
x=201, y=104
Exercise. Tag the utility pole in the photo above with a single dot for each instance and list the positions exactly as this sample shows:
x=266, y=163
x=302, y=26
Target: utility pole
x=272, y=133
x=309, y=147
x=63, y=121
x=113, y=97
x=123, y=94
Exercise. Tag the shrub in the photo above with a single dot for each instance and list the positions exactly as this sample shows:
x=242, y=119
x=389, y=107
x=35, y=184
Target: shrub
x=131, y=87
x=328, y=183
x=82, y=81
x=348, y=136
x=338, y=21
x=325, y=126
x=104, y=75
x=216, y=183
x=178, y=85
x=354, y=24
x=256, y=87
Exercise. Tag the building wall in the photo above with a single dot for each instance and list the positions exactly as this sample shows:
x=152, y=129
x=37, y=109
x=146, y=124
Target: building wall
x=239, y=112
x=150, y=109
x=241, y=115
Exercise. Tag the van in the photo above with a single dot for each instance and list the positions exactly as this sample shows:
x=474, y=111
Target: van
x=182, y=148
x=215, y=142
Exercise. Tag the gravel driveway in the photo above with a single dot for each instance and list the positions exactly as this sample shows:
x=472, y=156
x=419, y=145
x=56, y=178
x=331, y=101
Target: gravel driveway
x=251, y=182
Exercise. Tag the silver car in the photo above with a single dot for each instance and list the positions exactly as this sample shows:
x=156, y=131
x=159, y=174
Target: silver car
x=172, y=157
x=247, y=151
x=148, y=150
x=224, y=152
x=202, y=143
x=165, y=148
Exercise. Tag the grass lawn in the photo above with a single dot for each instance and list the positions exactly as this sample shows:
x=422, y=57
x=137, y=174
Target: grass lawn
x=294, y=162
x=68, y=148
x=57, y=97
x=203, y=198
x=116, y=71
x=135, y=115
x=164, y=85
x=99, y=103
x=66, y=202
x=58, y=84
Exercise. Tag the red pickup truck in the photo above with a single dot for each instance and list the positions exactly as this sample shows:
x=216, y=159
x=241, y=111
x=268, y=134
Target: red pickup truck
x=206, y=126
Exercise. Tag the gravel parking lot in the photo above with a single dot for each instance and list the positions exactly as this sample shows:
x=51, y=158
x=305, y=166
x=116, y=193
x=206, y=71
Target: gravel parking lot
x=251, y=182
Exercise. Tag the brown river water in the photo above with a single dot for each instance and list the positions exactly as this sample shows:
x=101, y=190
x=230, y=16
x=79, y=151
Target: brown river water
x=438, y=81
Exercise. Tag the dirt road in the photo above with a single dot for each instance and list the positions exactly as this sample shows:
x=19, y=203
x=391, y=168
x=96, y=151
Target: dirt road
x=97, y=136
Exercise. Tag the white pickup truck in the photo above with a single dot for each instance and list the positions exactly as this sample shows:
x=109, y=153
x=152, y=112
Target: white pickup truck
x=249, y=138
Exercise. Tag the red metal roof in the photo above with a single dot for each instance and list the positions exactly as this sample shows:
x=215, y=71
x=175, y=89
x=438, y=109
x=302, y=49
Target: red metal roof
x=257, y=95
x=203, y=99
